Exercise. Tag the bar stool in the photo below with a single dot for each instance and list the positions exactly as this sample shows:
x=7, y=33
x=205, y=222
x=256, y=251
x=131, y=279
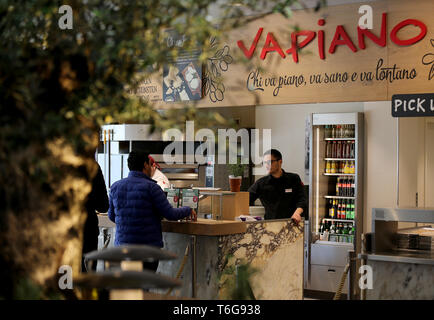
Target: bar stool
x=128, y=281
x=118, y=254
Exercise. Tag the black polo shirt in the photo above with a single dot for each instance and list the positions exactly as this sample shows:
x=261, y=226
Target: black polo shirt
x=279, y=196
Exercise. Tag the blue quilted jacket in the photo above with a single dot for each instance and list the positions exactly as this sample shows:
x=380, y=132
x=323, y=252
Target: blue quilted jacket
x=137, y=205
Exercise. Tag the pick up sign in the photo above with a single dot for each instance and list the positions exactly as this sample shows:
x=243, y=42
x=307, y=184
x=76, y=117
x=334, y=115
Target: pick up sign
x=413, y=105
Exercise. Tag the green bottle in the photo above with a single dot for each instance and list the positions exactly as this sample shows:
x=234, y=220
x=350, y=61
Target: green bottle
x=352, y=211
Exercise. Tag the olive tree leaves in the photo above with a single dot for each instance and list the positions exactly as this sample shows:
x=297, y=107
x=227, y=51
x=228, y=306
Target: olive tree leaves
x=213, y=86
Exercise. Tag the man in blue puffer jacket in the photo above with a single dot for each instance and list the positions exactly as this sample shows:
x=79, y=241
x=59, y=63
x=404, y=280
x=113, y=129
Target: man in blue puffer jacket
x=137, y=205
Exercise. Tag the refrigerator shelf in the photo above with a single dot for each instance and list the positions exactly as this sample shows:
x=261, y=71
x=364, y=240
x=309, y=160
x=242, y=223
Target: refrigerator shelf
x=339, y=220
x=339, y=139
x=339, y=159
x=334, y=243
x=339, y=174
x=339, y=234
x=339, y=197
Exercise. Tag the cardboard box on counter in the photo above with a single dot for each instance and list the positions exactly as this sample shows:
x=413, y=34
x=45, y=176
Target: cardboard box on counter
x=234, y=204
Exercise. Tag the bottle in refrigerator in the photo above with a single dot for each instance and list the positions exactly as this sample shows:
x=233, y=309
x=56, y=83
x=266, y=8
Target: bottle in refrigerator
x=353, y=187
x=346, y=229
x=332, y=228
x=328, y=149
x=334, y=168
x=334, y=210
x=346, y=167
x=347, y=187
x=353, y=150
x=347, y=150
x=321, y=227
x=334, y=149
x=353, y=215
x=339, y=150
x=344, y=210
x=343, y=186
x=338, y=228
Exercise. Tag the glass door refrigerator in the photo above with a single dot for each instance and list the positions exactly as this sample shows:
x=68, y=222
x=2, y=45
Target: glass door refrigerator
x=335, y=220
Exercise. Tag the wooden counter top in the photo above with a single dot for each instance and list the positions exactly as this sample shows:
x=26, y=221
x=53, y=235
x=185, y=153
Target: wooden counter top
x=202, y=227
x=205, y=227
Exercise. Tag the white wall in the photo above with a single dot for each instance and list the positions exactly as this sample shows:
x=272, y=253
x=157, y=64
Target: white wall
x=288, y=133
x=380, y=159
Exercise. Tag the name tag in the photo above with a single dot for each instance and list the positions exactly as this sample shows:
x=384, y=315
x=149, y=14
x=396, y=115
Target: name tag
x=288, y=190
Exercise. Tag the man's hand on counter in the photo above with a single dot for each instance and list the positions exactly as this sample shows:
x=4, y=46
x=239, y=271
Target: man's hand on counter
x=296, y=217
x=193, y=215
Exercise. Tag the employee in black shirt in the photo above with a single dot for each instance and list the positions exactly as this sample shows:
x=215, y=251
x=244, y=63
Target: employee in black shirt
x=281, y=193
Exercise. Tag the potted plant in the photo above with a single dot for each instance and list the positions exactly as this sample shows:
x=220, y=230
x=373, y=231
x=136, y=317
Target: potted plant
x=236, y=172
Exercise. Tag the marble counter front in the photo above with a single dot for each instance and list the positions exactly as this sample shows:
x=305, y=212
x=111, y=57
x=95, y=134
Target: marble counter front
x=271, y=250
x=400, y=276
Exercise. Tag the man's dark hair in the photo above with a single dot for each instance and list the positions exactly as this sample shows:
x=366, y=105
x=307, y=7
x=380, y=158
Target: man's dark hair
x=274, y=153
x=136, y=160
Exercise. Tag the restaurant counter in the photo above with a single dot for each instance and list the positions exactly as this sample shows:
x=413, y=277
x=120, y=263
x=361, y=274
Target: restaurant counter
x=217, y=250
x=400, y=268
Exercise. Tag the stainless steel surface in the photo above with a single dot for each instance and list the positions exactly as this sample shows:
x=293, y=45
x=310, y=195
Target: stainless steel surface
x=182, y=176
x=322, y=119
x=327, y=278
x=126, y=132
x=193, y=265
x=330, y=254
x=352, y=275
x=385, y=229
x=177, y=165
x=306, y=269
x=419, y=215
x=400, y=257
x=383, y=235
